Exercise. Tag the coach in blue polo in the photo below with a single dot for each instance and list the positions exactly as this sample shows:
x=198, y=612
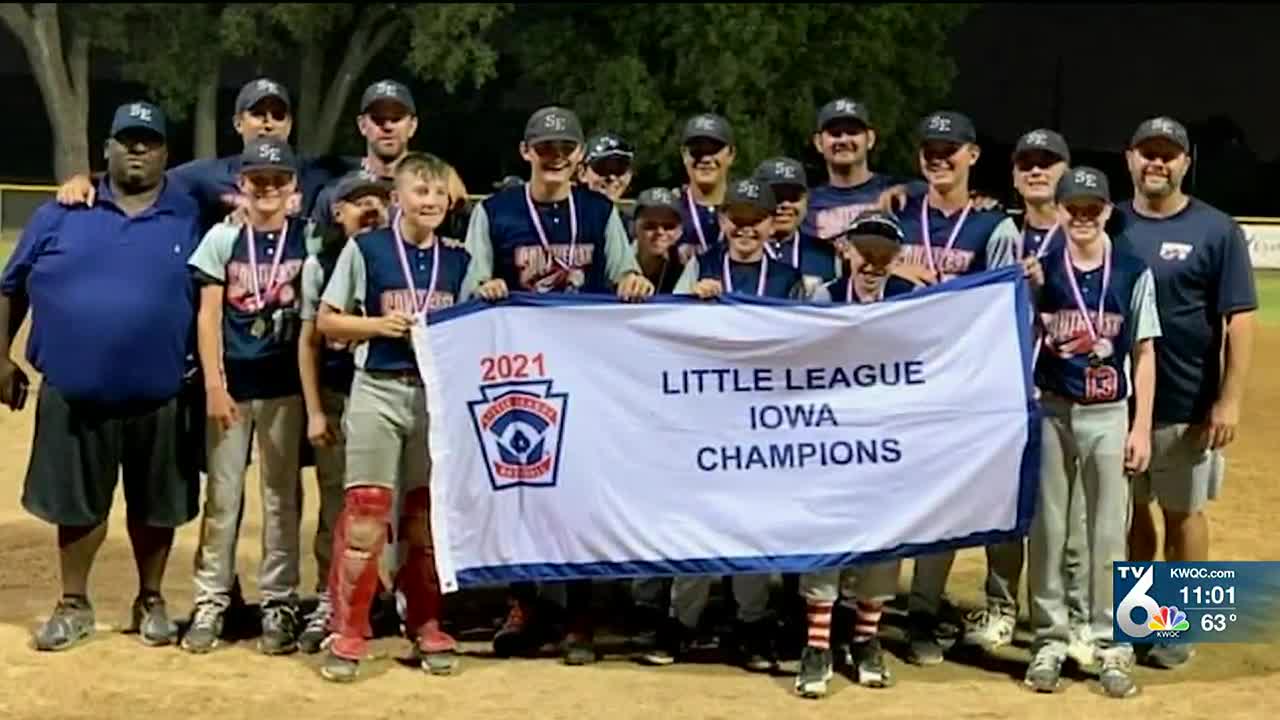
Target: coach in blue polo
x=113, y=308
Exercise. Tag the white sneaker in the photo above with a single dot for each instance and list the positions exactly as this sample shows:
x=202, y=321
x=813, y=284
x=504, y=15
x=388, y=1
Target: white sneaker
x=1081, y=648
x=990, y=629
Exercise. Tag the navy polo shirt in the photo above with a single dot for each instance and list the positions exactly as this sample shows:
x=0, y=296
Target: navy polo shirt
x=832, y=209
x=1202, y=271
x=112, y=302
x=810, y=256
x=704, y=219
x=967, y=255
x=210, y=180
x=369, y=279
x=781, y=280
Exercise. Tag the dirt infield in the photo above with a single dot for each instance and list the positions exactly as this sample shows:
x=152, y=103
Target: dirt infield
x=113, y=676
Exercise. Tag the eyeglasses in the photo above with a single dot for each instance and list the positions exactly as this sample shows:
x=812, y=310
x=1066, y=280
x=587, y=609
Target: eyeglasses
x=1026, y=162
x=611, y=167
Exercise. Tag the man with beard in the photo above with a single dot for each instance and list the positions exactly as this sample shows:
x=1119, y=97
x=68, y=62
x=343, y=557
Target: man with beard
x=548, y=236
x=1207, y=302
x=845, y=138
x=103, y=284
x=262, y=109
x=388, y=120
x=945, y=236
x=708, y=151
x=815, y=260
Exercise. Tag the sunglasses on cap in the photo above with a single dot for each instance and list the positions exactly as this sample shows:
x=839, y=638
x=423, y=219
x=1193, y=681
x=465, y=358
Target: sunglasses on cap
x=611, y=167
x=554, y=148
x=1028, y=161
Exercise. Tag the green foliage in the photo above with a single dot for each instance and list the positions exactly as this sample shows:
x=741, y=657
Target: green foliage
x=642, y=69
x=448, y=42
x=171, y=47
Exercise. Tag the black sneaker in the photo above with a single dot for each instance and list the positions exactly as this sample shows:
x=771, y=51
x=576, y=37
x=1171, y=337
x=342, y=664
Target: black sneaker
x=279, y=629
x=316, y=632
x=755, y=645
x=674, y=641
x=72, y=622
x=150, y=620
x=922, y=638
x=815, y=672
x=866, y=659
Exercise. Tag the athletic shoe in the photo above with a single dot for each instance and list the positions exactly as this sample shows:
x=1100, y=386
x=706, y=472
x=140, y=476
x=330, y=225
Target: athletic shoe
x=72, y=621
x=436, y=650
x=867, y=661
x=279, y=629
x=1116, y=677
x=755, y=646
x=518, y=634
x=339, y=669
x=579, y=649
x=990, y=629
x=1045, y=672
x=815, y=672
x=674, y=641
x=1081, y=648
x=205, y=630
x=316, y=632
x=1168, y=656
x=923, y=645
x=150, y=620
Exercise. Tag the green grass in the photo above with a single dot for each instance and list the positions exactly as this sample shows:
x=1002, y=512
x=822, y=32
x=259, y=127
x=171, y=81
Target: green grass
x=7, y=241
x=1268, y=297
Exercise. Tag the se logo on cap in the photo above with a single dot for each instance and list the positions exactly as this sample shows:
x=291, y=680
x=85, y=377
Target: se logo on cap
x=940, y=123
x=269, y=152
x=846, y=106
x=267, y=86
x=784, y=170
x=1035, y=137
x=746, y=188
x=554, y=122
x=385, y=88
x=1087, y=179
x=1164, y=125
x=705, y=123
x=140, y=111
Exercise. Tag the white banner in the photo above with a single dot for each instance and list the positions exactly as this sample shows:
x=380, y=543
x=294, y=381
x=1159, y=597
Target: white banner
x=577, y=437
x=1264, y=245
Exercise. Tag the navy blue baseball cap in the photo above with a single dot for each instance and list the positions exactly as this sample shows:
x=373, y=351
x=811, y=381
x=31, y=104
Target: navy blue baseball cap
x=268, y=153
x=1083, y=182
x=658, y=198
x=878, y=223
x=139, y=115
x=606, y=145
x=782, y=171
x=255, y=91
x=388, y=90
x=949, y=127
x=550, y=124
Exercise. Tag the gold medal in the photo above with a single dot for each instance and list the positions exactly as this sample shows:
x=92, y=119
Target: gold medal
x=259, y=327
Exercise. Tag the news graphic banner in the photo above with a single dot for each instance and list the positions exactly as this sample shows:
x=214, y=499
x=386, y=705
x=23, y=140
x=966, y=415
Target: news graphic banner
x=580, y=437
x=1176, y=602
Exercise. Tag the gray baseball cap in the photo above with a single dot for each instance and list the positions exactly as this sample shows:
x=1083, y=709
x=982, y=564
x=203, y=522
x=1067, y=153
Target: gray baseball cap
x=255, y=91
x=1162, y=127
x=750, y=192
x=708, y=125
x=1043, y=140
x=782, y=171
x=843, y=109
x=268, y=153
x=1083, y=182
x=358, y=184
x=947, y=126
x=553, y=123
x=658, y=198
x=388, y=90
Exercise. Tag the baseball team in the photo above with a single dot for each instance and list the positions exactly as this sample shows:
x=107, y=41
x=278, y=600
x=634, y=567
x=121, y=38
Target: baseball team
x=256, y=309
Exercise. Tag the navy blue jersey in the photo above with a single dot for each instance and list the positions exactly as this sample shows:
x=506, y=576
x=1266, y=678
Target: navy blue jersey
x=519, y=257
x=969, y=252
x=1070, y=363
x=810, y=256
x=1038, y=241
x=259, y=331
x=667, y=275
x=369, y=278
x=700, y=226
x=781, y=281
x=832, y=209
x=1200, y=262
x=839, y=290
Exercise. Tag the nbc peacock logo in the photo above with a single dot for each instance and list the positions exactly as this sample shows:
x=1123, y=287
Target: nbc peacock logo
x=1169, y=619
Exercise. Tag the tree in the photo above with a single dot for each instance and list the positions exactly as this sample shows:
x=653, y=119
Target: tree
x=58, y=42
x=767, y=67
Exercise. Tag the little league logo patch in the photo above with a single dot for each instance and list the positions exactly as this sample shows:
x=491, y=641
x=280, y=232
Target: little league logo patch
x=520, y=426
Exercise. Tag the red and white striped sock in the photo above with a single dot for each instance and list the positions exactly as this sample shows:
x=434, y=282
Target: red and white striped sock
x=820, y=624
x=867, y=624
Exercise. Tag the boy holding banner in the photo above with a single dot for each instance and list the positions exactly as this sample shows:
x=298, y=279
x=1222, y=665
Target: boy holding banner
x=1097, y=311
x=383, y=282
x=739, y=265
x=869, y=248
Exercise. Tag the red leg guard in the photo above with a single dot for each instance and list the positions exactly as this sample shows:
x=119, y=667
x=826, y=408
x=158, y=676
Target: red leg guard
x=358, y=539
x=417, y=576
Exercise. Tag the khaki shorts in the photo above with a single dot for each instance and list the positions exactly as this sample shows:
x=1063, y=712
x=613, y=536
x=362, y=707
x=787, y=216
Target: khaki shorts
x=386, y=432
x=1183, y=476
